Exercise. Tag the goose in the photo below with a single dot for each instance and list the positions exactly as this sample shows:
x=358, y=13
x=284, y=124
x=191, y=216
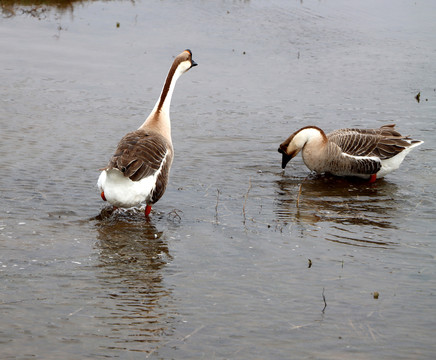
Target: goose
x=364, y=153
x=139, y=170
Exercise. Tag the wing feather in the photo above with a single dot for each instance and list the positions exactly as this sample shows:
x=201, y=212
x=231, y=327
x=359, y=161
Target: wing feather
x=342, y=164
x=140, y=154
x=383, y=143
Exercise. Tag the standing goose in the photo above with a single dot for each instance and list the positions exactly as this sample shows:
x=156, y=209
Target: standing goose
x=365, y=153
x=139, y=169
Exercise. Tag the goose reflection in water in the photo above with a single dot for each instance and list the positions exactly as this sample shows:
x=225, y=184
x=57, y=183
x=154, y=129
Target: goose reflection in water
x=132, y=255
x=358, y=213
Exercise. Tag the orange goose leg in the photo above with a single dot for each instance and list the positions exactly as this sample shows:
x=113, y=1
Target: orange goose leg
x=102, y=196
x=147, y=210
x=373, y=178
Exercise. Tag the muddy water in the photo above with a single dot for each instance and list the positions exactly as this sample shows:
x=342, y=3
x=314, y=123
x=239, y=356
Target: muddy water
x=228, y=266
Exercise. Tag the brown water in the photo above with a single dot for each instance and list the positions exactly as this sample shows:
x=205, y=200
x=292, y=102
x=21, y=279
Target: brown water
x=222, y=269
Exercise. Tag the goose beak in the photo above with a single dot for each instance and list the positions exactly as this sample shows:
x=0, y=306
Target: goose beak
x=285, y=156
x=285, y=159
x=193, y=63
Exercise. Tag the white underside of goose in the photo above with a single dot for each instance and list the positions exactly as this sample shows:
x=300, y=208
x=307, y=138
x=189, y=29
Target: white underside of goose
x=388, y=165
x=122, y=192
x=394, y=162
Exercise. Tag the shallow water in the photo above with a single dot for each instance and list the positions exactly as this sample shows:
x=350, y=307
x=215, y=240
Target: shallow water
x=228, y=266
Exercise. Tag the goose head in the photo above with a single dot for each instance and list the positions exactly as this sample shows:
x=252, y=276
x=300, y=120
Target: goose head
x=294, y=143
x=181, y=64
x=184, y=61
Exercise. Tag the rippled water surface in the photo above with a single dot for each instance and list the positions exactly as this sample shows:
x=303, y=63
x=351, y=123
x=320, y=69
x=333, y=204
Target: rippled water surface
x=228, y=267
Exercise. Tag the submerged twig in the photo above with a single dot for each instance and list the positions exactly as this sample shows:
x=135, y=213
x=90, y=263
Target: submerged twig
x=325, y=302
x=192, y=333
x=174, y=340
x=245, y=201
x=216, y=206
x=75, y=312
x=371, y=332
x=174, y=214
x=299, y=191
x=300, y=326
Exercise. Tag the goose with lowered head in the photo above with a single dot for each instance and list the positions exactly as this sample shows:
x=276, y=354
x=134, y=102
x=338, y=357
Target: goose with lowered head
x=365, y=153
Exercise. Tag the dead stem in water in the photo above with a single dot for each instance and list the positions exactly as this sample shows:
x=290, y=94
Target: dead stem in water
x=174, y=215
x=299, y=191
x=245, y=201
x=216, y=206
x=174, y=340
x=325, y=302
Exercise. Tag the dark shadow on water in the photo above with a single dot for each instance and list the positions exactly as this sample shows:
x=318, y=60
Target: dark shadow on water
x=132, y=256
x=358, y=213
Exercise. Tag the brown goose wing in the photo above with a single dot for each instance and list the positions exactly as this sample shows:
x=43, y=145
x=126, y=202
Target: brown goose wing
x=161, y=181
x=391, y=142
x=343, y=164
x=383, y=143
x=141, y=153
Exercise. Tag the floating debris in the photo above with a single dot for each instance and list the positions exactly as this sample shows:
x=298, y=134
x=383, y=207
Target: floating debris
x=418, y=97
x=310, y=263
x=375, y=294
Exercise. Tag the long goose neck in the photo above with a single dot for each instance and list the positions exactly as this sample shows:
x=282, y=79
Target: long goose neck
x=164, y=101
x=310, y=135
x=160, y=115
